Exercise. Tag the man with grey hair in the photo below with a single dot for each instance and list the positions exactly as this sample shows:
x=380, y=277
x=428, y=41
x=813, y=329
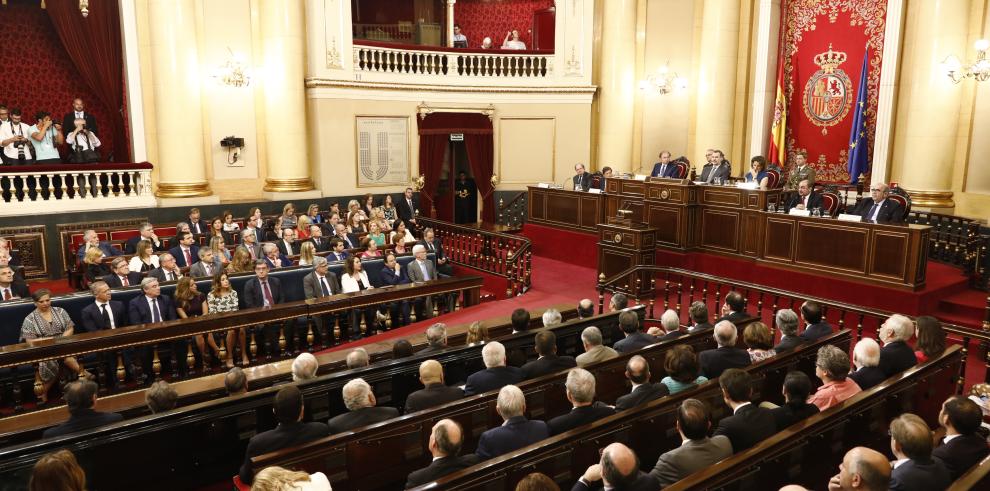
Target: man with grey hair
x=91, y=240
x=866, y=358
x=235, y=382
x=618, y=302
x=727, y=355
x=671, y=324
x=273, y=257
x=249, y=241
x=357, y=358
x=864, y=469
x=580, y=389
x=121, y=275
x=787, y=322
x=832, y=367
x=551, y=318
x=160, y=397
x=319, y=284
x=894, y=333
x=496, y=374
x=419, y=270
x=361, y=411
x=436, y=338
x=618, y=469
x=145, y=232
x=585, y=308
x=304, y=367
x=445, y=443
x=594, y=350
x=153, y=308
x=516, y=431
x=167, y=269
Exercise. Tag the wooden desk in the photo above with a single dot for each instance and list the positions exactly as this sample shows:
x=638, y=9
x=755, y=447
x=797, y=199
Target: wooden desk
x=566, y=209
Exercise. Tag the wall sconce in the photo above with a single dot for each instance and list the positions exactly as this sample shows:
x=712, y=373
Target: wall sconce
x=663, y=81
x=234, y=72
x=978, y=70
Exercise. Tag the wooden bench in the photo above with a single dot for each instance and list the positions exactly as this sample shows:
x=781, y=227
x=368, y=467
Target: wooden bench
x=978, y=477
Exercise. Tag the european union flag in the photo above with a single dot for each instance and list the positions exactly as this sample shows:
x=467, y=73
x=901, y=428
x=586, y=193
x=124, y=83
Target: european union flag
x=858, y=144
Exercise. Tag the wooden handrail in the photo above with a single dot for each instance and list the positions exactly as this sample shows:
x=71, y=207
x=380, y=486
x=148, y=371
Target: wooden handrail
x=975, y=478
x=484, y=250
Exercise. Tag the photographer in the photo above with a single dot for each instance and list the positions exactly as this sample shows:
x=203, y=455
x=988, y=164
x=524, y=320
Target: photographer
x=45, y=134
x=79, y=111
x=83, y=142
x=14, y=140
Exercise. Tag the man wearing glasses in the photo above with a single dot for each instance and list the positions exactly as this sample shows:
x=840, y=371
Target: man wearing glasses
x=877, y=208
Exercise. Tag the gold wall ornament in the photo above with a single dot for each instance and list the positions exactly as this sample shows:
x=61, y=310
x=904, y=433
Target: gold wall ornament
x=418, y=182
x=494, y=180
x=288, y=185
x=931, y=199
x=182, y=189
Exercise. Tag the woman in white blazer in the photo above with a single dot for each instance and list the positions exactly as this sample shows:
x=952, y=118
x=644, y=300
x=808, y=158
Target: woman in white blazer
x=355, y=279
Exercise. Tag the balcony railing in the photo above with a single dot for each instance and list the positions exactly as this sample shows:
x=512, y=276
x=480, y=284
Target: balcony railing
x=384, y=58
x=74, y=187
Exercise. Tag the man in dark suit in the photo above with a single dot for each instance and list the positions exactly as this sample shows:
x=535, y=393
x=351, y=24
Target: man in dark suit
x=249, y=241
x=361, y=410
x=197, y=226
x=152, y=308
x=435, y=246
x=635, y=339
x=187, y=252
x=896, y=355
x=79, y=111
x=419, y=270
x=697, y=451
x=445, y=443
x=664, y=168
x=699, y=317
x=103, y=314
x=338, y=253
x=914, y=467
x=320, y=243
x=291, y=431
x=548, y=362
x=580, y=389
x=434, y=392
x=318, y=284
x=392, y=273
x=877, y=208
x=727, y=355
x=145, y=232
x=734, y=308
x=350, y=242
x=581, y=180
x=406, y=209
x=287, y=245
x=797, y=388
x=862, y=468
x=92, y=240
x=814, y=328
x=496, y=375
x=273, y=257
x=787, y=323
x=266, y=292
x=671, y=324
x=167, y=271
x=121, y=274
x=516, y=432
x=638, y=373
x=866, y=358
x=805, y=199
x=962, y=448
x=80, y=396
x=10, y=287
x=617, y=470
x=749, y=424
x=717, y=169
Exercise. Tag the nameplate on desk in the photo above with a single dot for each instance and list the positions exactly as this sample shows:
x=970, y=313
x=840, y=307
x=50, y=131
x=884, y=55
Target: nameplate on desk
x=746, y=185
x=846, y=217
x=595, y=191
x=640, y=177
x=800, y=213
x=543, y=185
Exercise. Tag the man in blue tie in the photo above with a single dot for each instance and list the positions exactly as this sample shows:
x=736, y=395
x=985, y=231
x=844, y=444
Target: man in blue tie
x=154, y=308
x=877, y=208
x=420, y=270
x=663, y=168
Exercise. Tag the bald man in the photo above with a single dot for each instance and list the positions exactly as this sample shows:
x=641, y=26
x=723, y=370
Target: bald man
x=862, y=468
x=435, y=392
x=638, y=373
x=618, y=470
x=445, y=444
x=877, y=208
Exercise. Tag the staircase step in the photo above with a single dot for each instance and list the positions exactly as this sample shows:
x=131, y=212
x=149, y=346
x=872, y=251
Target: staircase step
x=967, y=307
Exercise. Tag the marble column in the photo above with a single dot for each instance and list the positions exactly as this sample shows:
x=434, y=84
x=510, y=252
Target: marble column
x=178, y=110
x=617, y=85
x=283, y=33
x=716, y=79
x=449, y=27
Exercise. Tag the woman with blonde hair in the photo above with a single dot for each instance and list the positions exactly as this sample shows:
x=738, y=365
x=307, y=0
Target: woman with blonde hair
x=223, y=298
x=278, y=479
x=95, y=269
x=289, y=216
x=477, y=333
x=302, y=227
x=220, y=253
x=144, y=258
x=375, y=234
x=307, y=251
x=241, y=261
x=313, y=212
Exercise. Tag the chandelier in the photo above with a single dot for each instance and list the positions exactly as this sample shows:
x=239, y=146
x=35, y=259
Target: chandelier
x=663, y=81
x=978, y=70
x=234, y=72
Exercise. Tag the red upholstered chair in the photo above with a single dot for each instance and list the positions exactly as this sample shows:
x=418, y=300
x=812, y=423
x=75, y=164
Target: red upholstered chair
x=240, y=486
x=899, y=195
x=682, y=170
x=773, y=179
x=830, y=203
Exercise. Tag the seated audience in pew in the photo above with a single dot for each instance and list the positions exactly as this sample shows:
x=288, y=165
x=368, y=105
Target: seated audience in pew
x=152, y=308
x=240, y=262
x=249, y=243
x=392, y=273
x=617, y=470
x=862, y=469
x=93, y=267
x=787, y=323
x=962, y=447
x=287, y=245
x=585, y=308
x=699, y=317
x=361, y=411
x=806, y=198
x=196, y=225
x=436, y=339
x=304, y=367
x=594, y=350
x=618, y=302
x=548, y=362
x=180, y=228
x=913, y=465
x=814, y=327
x=338, y=252
x=670, y=322
x=866, y=357
x=697, y=450
x=635, y=338
x=288, y=216
x=274, y=259
x=520, y=320
x=12, y=288
x=402, y=349
x=206, y=266
x=92, y=241
x=160, y=397
x=46, y=322
x=189, y=303
x=357, y=358
x=759, y=342
x=265, y=292
x=223, y=298
x=187, y=252
x=727, y=355
x=681, y=365
x=145, y=232
x=931, y=339
x=445, y=445
x=307, y=253
x=355, y=279
x=320, y=243
x=58, y=470
x=229, y=225
x=167, y=271
x=80, y=397
x=370, y=249
x=734, y=308
x=496, y=374
x=878, y=208
x=749, y=424
x=477, y=333
x=350, y=242
x=276, y=478
x=216, y=231
x=435, y=246
x=290, y=432
x=580, y=391
x=105, y=313
x=536, y=481
x=551, y=317
x=235, y=382
x=638, y=374
x=434, y=391
x=797, y=388
x=516, y=431
x=832, y=367
x=121, y=275
x=301, y=233
x=419, y=270
x=896, y=354
x=144, y=258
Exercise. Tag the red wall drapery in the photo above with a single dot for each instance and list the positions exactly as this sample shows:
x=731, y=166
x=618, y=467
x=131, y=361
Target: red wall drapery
x=434, y=133
x=94, y=46
x=480, y=152
x=480, y=18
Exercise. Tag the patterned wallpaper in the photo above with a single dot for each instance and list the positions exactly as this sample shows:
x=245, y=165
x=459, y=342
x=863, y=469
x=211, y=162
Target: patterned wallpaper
x=493, y=18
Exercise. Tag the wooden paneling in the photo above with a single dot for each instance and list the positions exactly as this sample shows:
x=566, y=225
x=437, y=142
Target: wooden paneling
x=828, y=244
x=778, y=243
x=565, y=209
x=31, y=247
x=668, y=220
x=720, y=230
x=894, y=261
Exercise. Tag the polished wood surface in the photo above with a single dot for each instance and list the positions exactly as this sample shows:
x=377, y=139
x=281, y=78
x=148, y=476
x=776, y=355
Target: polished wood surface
x=621, y=247
x=565, y=209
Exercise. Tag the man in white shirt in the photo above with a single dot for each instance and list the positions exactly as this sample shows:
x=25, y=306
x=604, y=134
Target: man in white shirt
x=79, y=111
x=14, y=134
x=103, y=314
x=460, y=40
x=10, y=289
x=420, y=270
x=287, y=246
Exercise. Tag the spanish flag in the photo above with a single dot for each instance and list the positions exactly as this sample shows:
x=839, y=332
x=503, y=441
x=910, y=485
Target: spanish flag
x=778, y=129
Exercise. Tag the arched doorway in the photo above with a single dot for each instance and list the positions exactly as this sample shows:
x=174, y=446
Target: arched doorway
x=434, y=150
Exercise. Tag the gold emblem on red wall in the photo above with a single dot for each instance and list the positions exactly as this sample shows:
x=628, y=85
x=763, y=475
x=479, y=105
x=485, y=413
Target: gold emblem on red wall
x=828, y=94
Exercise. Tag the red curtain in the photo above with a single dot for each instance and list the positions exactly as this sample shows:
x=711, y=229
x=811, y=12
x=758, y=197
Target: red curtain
x=94, y=46
x=480, y=152
x=431, y=150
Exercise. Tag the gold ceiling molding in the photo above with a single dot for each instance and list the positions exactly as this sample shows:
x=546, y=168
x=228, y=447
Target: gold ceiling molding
x=423, y=109
x=312, y=83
